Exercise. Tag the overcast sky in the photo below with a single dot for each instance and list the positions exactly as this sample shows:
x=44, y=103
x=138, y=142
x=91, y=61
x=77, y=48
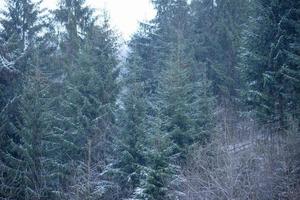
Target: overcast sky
x=125, y=14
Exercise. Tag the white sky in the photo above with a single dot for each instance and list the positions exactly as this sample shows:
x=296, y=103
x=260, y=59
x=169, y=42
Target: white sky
x=124, y=14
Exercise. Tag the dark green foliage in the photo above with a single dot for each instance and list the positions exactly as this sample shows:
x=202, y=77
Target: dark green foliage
x=37, y=142
x=76, y=18
x=97, y=89
x=167, y=98
x=217, y=26
x=156, y=183
x=64, y=101
x=185, y=107
x=12, y=153
x=68, y=130
x=270, y=62
x=132, y=123
x=184, y=92
x=21, y=23
x=87, y=100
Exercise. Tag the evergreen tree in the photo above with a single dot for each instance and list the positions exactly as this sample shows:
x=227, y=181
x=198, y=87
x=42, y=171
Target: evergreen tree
x=185, y=102
x=269, y=62
x=217, y=26
x=179, y=97
x=155, y=182
x=172, y=16
x=88, y=99
x=217, y=37
x=12, y=163
x=76, y=19
x=146, y=45
x=131, y=141
x=36, y=142
x=67, y=100
x=21, y=23
x=97, y=88
x=69, y=131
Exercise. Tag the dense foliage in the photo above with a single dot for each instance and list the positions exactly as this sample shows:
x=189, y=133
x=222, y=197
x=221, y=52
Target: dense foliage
x=205, y=105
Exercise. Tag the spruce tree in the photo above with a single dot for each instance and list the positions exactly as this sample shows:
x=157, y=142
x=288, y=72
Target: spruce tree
x=155, y=182
x=76, y=17
x=97, y=87
x=217, y=27
x=185, y=101
x=21, y=23
x=66, y=99
x=269, y=62
x=179, y=102
x=88, y=98
x=131, y=141
x=36, y=141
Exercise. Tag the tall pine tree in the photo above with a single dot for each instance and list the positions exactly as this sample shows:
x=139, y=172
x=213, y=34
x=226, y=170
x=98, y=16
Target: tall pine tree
x=270, y=62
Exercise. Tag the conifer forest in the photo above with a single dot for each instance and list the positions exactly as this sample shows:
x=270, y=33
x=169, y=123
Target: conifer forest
x=202, y=103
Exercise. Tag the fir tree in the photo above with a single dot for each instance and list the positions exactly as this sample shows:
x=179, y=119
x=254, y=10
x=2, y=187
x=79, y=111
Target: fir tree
x=217, y=31
x=132, y=125
x=21, y=24
x=88, y=98
x=76, y=18
x=269, y=63
x=97, y=87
